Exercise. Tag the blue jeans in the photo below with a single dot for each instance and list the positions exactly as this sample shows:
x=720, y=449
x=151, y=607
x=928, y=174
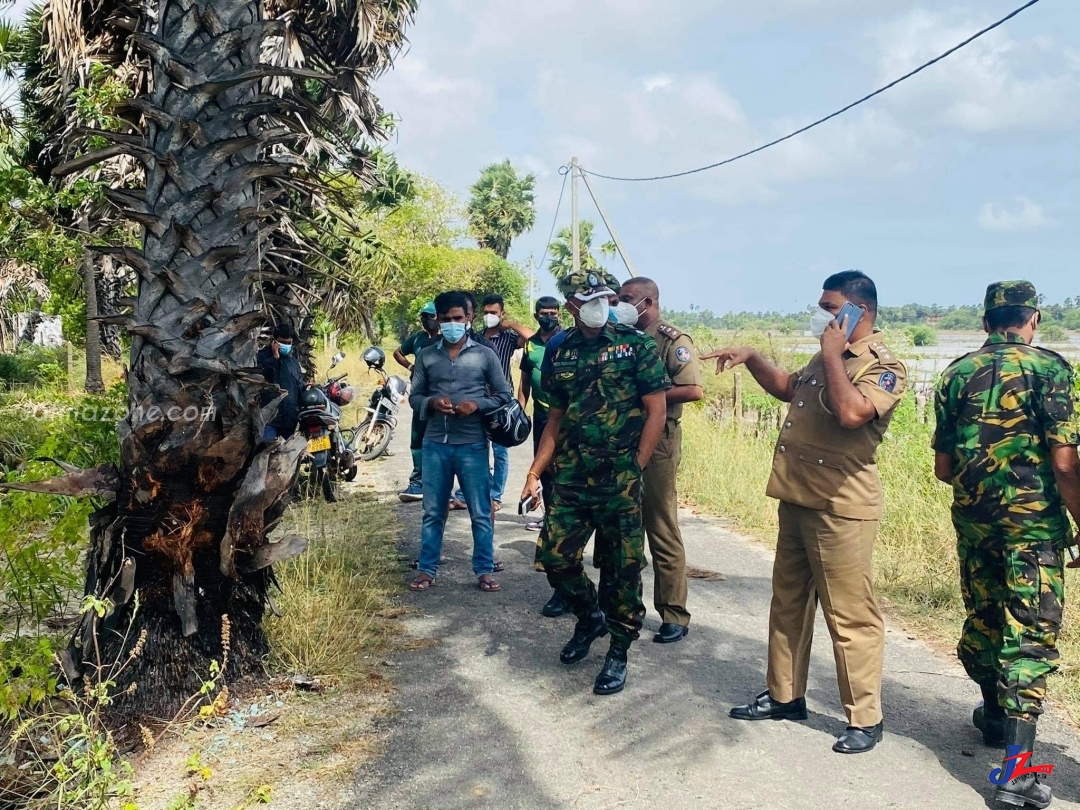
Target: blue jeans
x=469, y=462
x=502, y=471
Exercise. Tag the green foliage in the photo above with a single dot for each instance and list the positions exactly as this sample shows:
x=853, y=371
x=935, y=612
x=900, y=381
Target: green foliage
x=1053, y=333
x=33, y=365
x=502, y=207
x=923, y=336
x=562, y=250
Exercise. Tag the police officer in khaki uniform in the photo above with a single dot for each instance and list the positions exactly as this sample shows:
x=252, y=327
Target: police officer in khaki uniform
x=639, y=305
x=830, y=496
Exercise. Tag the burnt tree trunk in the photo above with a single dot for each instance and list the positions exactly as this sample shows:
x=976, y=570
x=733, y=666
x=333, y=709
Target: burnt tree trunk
x=196, y=491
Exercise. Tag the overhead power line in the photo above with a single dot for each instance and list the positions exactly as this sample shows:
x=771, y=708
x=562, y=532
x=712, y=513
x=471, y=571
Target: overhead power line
x=564, y=171
x=829, y=117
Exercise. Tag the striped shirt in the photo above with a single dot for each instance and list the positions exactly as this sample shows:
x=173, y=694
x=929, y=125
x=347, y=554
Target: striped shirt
x=505, y=343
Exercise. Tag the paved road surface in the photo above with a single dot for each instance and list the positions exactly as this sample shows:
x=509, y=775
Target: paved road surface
x=490, y=719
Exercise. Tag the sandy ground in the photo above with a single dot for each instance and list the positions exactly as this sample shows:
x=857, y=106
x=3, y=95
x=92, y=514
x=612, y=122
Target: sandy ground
x=488, y=718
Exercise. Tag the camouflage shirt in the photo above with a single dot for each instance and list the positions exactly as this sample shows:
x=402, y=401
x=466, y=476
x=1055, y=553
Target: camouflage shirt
x=999, y=412
x=599, y=384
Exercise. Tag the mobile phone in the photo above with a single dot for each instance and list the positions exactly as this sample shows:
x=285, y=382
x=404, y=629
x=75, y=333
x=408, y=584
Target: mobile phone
x=527, y=505
x=854, y=315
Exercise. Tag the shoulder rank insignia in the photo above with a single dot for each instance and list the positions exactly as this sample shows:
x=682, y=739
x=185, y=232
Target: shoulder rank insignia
x=670, y=331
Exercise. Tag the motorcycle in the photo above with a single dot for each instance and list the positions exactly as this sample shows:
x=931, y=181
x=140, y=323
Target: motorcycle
x=329, y=456
x=370, y=438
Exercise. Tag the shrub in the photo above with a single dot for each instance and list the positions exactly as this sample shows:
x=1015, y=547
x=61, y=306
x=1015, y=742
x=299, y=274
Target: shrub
x=1053, y=333
x=923, y=336
x=33, y=365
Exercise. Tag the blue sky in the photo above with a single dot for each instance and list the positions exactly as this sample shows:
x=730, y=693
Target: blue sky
x=964, y=175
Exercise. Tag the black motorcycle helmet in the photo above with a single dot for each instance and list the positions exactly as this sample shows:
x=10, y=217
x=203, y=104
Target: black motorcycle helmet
x=374, y=357
x=312, y=397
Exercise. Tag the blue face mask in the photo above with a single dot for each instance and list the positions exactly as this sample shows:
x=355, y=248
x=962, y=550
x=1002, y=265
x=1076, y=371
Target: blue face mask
x=452, y=332
x=611, y=316
x=284, y=348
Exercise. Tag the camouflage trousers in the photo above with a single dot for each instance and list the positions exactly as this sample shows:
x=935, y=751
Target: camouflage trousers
x=613, y=511
x=1014, y=593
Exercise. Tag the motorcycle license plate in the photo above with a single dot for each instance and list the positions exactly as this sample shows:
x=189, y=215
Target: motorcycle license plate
x=318, y=445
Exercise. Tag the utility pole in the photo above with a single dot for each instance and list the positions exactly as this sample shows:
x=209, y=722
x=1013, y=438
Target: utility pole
x=576, y=241
x=532, y=282
x=607, y=224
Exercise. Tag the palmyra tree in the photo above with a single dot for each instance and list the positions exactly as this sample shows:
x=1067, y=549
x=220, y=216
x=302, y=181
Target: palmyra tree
x=502, y=206
x=562, y=250
x=245, y=104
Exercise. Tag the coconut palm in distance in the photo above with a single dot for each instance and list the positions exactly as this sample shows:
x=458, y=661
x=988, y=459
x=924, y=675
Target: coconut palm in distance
x=502, y=207
x=562, y=250
x=246, y=105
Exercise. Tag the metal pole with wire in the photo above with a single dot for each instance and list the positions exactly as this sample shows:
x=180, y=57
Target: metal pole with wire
x=574, y=229
x=607, y=224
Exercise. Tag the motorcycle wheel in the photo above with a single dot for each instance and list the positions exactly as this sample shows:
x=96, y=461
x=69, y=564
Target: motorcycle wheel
x=350, y=474
x=329, y=485
x=369, y=448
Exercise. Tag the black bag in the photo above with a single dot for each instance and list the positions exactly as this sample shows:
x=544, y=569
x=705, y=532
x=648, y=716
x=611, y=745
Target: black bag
x=508, y=425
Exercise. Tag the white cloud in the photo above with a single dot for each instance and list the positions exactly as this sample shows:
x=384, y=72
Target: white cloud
x=1025, y=216
x=996, y=83
x=656, y=83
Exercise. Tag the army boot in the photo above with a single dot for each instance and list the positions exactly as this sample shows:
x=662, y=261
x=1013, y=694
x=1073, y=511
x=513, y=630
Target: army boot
x=1026, y=790
x=586, y=631
x=612, y=677
x=989, y=717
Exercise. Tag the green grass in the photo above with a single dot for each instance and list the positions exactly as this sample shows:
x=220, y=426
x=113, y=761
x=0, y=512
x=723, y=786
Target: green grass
x=335, y=603
x=725, y=469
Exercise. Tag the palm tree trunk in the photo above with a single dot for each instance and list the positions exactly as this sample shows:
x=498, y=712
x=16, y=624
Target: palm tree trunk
x=94, y=383
x=196, y=492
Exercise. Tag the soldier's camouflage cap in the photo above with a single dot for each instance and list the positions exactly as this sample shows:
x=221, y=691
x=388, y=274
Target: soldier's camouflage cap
x=588, y=284
x=1010, y=294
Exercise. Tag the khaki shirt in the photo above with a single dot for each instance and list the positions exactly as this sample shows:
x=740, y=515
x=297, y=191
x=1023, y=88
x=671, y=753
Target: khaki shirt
x=677, y=353
x=817, y=463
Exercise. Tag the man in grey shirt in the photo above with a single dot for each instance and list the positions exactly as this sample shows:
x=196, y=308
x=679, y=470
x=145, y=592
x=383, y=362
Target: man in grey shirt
x=453, y=383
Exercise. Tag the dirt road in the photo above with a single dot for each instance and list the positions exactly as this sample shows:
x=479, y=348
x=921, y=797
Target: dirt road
x=489, y=718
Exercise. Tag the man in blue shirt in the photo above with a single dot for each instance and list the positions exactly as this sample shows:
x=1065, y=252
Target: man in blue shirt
x=454, y=382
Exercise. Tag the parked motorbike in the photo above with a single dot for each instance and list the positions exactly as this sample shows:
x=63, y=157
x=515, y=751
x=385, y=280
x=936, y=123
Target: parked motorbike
x=329, y=456
x=370, y=438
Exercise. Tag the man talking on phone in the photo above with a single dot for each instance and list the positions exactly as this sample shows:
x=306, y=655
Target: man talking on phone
x=830, y=496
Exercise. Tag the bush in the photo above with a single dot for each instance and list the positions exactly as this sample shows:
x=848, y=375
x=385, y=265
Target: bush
x=33, y=365
x=923, y=336
x=1053, y=333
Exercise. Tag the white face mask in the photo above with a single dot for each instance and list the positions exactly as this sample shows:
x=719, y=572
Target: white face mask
x=594, y=313
x=819, y=321
x=491, y=321
x=626, y=313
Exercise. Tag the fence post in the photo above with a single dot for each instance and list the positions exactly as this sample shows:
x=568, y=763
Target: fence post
x=71, y=368
x=738, y=404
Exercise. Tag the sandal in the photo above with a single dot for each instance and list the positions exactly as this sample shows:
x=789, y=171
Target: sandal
x=498, y=566
x=421, y=583
x=488, y=585
x=456, y=505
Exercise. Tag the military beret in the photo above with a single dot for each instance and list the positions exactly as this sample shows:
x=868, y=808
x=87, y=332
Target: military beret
x=1010, y=294
x=588, y=284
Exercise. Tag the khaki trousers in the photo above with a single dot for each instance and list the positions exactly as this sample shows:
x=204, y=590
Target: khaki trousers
x=820, y=556
x=660, y=514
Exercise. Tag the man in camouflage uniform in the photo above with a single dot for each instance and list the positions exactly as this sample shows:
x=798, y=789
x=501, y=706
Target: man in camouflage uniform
x=607, y=405
x=639, y=305
x=1006, y=440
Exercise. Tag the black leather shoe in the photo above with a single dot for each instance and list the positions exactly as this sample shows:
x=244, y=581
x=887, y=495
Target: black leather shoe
x=612, y=677
x=764, y=707
x=859, y=740
x=670, y=633
x=586, y=631
x=554, y=607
